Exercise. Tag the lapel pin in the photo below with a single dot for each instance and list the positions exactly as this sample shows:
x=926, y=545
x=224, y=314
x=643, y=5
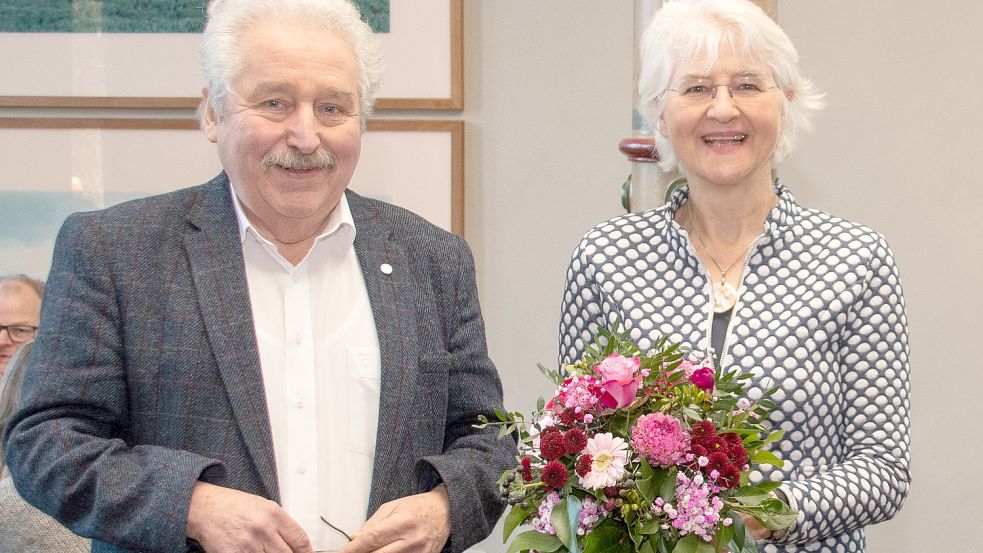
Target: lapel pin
x=386, y=269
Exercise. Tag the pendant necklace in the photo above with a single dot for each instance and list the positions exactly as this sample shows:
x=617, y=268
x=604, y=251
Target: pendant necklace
x=724, y=293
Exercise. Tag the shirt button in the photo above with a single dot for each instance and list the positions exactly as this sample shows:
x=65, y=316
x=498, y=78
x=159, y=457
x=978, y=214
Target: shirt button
x=302, y=469
x=300, y=404
x=299, y=340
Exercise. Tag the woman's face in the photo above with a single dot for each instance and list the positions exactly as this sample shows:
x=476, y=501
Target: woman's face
x=727, y=139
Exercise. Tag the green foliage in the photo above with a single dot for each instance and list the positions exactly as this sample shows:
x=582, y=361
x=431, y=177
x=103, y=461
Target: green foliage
x=532, y=539
x=517, y=515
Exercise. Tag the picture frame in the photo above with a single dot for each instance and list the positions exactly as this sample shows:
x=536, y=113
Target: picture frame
x=53, y=169
x=423, y=52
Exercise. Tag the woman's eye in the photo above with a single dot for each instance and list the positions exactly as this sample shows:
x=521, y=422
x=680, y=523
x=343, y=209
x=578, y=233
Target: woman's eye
x=273, y=103
x=697, y=90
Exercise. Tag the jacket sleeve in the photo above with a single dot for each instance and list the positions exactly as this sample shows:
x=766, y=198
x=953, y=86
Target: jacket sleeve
x=871, y=483
x=472, y=459
x=67, y=445
x=582, y=311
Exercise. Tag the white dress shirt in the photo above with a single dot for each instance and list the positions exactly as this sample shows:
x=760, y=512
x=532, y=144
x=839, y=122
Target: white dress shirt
x=319, y=353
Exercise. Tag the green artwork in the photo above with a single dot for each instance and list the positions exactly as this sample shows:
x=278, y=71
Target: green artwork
x=132, y=16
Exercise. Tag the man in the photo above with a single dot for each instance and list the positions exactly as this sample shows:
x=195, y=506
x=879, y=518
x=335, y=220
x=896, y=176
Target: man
x=256, y=363
x=20, y=311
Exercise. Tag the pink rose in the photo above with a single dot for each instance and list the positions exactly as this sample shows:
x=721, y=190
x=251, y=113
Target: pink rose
x=620, y=379
x=702, y=378
x=618, y=368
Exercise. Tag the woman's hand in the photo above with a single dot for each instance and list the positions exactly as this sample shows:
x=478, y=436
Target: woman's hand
x=758, y=532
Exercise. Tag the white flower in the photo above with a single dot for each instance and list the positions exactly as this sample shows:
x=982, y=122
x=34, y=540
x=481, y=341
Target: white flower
x=608, y=457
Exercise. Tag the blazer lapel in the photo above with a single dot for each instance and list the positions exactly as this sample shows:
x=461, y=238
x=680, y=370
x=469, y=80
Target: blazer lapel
x=219, y=274
x=388, y=280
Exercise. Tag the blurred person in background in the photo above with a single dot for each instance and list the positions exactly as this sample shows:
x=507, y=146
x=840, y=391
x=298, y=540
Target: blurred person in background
x=23, y=528
x=20, y=313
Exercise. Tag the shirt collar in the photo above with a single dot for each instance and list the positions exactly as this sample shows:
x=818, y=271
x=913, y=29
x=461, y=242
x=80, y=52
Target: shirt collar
x=340, y=222
x=780, y=219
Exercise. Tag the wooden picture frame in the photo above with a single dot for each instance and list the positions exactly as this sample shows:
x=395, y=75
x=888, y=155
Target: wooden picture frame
x=57, y=166
x=424, y=55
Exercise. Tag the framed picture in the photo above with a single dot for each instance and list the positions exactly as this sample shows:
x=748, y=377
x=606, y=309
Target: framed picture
x=53, y=170
x=422, y=45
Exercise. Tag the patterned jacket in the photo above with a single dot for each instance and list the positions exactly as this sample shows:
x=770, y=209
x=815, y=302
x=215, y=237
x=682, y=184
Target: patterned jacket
x=820, y=315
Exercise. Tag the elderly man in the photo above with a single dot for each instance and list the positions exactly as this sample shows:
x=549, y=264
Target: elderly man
x=261, y=362
x=20, y=310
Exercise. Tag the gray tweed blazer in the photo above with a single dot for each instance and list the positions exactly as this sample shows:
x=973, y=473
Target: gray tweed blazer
x=145, y=375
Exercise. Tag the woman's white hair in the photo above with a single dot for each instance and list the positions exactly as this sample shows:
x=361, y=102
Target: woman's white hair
x=685, y=30
x=221, y=54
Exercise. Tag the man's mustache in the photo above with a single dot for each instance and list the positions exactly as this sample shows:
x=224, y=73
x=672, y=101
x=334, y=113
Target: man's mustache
x=290, y=158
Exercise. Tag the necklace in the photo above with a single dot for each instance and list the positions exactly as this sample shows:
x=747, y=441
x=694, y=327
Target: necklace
x=724, y=293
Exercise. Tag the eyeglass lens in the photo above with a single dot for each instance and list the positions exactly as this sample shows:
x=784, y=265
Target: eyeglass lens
x=19, y=333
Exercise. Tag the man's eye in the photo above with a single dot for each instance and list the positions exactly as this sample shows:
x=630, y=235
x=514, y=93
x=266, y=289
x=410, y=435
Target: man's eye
x=273, y=104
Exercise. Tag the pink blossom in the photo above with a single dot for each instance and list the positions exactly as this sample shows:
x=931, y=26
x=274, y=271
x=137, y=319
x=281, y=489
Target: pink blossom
x=661, y=439
x=620, y=379
x=697, y=509
x=688, y=367
x=703, y=378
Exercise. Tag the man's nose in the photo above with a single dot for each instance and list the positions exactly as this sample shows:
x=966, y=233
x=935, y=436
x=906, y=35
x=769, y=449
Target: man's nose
x=303, y=132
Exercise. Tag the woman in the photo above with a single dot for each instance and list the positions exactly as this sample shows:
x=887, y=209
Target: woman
x=22, y=527
x=734, y=266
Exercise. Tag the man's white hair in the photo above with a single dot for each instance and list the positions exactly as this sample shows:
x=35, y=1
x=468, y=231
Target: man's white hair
x=221, y=53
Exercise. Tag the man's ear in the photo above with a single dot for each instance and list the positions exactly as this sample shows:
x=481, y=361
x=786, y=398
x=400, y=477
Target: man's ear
x=209, y=123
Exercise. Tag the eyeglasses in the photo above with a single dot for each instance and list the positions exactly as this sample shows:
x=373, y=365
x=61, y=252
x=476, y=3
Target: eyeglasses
x=333, y=527
x=19, y=333
x=744, y=89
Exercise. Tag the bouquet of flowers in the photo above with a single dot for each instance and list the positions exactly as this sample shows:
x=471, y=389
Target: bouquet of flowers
x=642, y=454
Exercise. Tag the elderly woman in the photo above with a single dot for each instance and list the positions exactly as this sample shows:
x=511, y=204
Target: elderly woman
x=734, y=266
x=22, y=527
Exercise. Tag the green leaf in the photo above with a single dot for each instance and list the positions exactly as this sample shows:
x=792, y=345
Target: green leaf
x=517, y=515
x=500, y=415
x=724, y=536
x=532, y=539
x=774, y=436
x=564, y=521
x=540, y=404
x=668, y=489
x=765, y=457
x=607, y=537
x=688, y=544
x=650, y=482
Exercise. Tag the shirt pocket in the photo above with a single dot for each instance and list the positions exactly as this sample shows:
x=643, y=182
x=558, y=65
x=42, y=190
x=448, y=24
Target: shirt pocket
x=364, y=383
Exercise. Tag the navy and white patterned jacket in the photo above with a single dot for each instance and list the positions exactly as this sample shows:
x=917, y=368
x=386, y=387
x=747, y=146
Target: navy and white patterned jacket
x=820, y=314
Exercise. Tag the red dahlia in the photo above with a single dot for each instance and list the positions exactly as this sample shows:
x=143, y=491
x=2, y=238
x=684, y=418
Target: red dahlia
x=554, y=474
x=730, y=477
x=526, y=463
x=584, y=463
x=575, y=440
x=552, y=445
x=569, y=418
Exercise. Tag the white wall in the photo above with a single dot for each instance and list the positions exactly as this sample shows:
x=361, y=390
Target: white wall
x=549, y=90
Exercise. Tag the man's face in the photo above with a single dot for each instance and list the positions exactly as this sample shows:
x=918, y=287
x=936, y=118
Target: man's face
x=19, y=305
x=294, y=105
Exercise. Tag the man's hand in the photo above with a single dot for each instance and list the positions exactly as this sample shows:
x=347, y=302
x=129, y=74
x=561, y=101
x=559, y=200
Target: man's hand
x=418, y=523
x=223, y=520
